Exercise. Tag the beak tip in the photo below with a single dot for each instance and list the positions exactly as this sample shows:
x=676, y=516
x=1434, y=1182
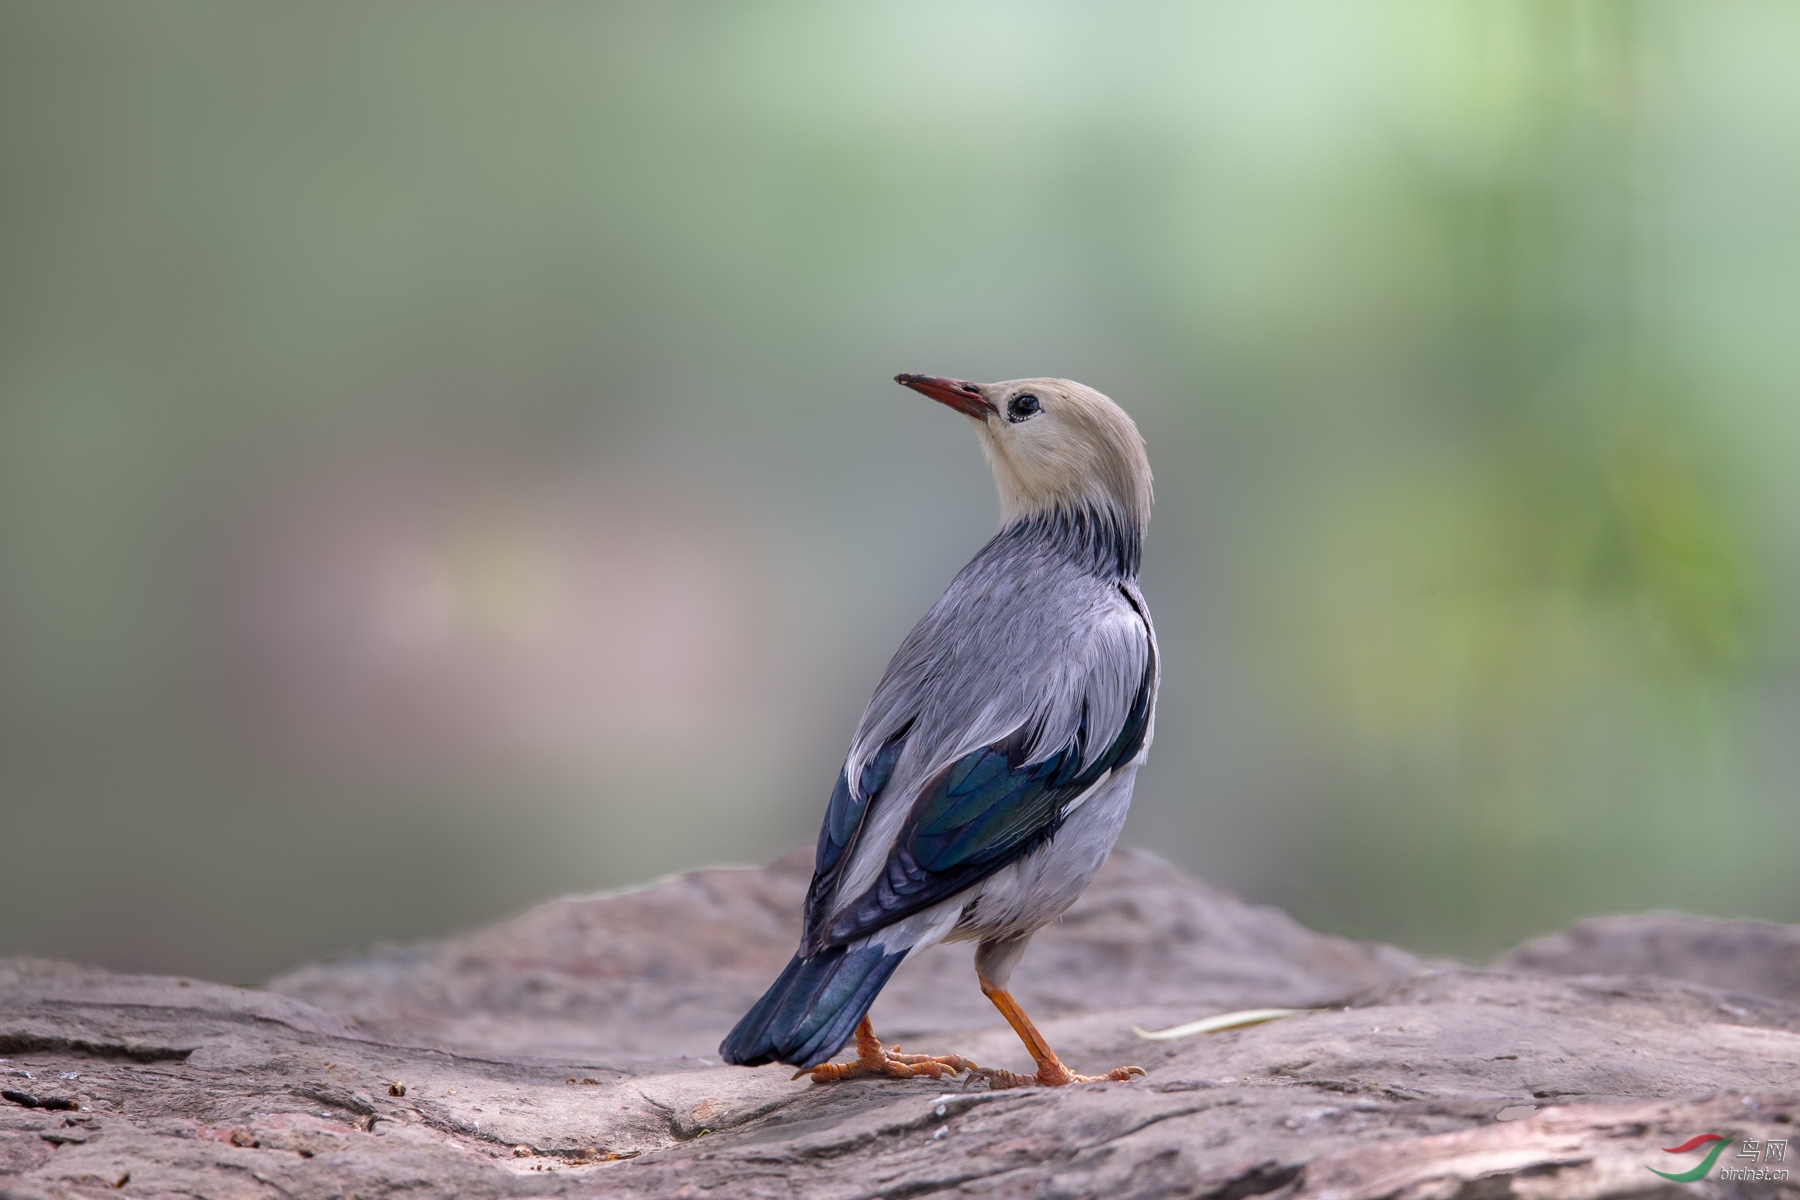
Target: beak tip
x=963, y=396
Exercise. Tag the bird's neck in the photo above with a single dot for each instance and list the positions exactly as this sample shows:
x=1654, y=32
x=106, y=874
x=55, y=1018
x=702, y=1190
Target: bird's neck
x=1098, y=539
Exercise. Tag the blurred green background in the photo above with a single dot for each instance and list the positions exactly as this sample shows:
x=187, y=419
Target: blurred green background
x=448, y=457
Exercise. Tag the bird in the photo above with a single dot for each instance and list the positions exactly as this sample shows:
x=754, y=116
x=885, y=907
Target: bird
x=991, y=772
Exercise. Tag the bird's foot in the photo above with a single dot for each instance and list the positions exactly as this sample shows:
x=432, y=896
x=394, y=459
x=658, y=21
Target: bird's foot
x=1050, y=1073
x=873, y=1059
x=892, y=1065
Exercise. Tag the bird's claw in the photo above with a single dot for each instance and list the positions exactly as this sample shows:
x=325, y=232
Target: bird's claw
x=1116, y=1075
x=1049, y=1074
x=891, y=1064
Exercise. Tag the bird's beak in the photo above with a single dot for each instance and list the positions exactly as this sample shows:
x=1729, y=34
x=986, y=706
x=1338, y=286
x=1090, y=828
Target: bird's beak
x=960, y=394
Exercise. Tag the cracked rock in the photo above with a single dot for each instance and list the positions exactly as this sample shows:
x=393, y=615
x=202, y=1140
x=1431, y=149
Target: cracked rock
x=571, y=1051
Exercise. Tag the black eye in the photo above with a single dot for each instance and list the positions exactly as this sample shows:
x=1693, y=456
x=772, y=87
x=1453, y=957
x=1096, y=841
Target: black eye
x=1021, y=407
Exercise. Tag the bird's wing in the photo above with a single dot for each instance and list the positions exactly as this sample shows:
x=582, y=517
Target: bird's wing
x=838, y=832
x=905, y=839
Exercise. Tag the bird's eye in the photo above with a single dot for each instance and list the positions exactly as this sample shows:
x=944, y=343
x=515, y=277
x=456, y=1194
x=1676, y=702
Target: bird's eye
x=1021, y=407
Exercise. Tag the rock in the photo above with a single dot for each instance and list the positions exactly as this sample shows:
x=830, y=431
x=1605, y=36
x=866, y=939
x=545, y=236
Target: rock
x=668, y=968
x=1752, y=957
x=570, y=1052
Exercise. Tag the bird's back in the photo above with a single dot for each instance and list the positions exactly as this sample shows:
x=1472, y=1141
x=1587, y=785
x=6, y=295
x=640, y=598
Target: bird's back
x=1043, y=638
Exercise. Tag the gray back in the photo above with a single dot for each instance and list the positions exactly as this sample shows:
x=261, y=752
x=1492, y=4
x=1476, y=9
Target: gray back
x=1045, y=621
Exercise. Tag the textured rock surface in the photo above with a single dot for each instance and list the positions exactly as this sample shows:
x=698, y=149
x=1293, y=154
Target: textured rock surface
x=668, y=968
x=569, y=1052
x=1741, y=956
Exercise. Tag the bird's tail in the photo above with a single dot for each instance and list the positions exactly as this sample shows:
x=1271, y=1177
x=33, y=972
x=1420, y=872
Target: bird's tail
x=810, y=1011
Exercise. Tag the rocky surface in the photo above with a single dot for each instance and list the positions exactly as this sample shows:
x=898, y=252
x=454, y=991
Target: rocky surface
x=569, y=1052
x=1740, y=956
x=668, y=968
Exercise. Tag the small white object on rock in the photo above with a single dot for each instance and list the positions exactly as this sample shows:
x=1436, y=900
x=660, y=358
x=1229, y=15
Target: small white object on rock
x=1220, y=1023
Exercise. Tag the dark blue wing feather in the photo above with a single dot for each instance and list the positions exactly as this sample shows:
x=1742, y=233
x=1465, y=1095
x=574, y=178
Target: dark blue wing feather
x=985, y=810
x=843, y=821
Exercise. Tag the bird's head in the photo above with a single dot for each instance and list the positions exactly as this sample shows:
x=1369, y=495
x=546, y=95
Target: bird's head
x=1052, y=444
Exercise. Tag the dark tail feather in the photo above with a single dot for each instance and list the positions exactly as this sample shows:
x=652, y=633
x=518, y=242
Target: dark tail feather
x=808, y=1013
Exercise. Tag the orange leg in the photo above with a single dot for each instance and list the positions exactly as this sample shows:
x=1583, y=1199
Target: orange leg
x=1050, y=1070
x=871, y=1059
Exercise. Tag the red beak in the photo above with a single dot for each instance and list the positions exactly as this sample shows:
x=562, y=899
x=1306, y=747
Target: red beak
x=960, y=394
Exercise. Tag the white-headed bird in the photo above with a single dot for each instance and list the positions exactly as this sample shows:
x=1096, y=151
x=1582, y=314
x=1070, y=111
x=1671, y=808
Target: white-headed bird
x=991, y=772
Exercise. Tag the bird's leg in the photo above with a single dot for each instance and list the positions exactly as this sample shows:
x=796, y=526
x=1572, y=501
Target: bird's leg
x=1050, y=1070
x=872, y=1059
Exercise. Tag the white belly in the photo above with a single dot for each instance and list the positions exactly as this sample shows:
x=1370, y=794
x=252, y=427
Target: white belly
x=1035, y=890
x=1026, y=895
